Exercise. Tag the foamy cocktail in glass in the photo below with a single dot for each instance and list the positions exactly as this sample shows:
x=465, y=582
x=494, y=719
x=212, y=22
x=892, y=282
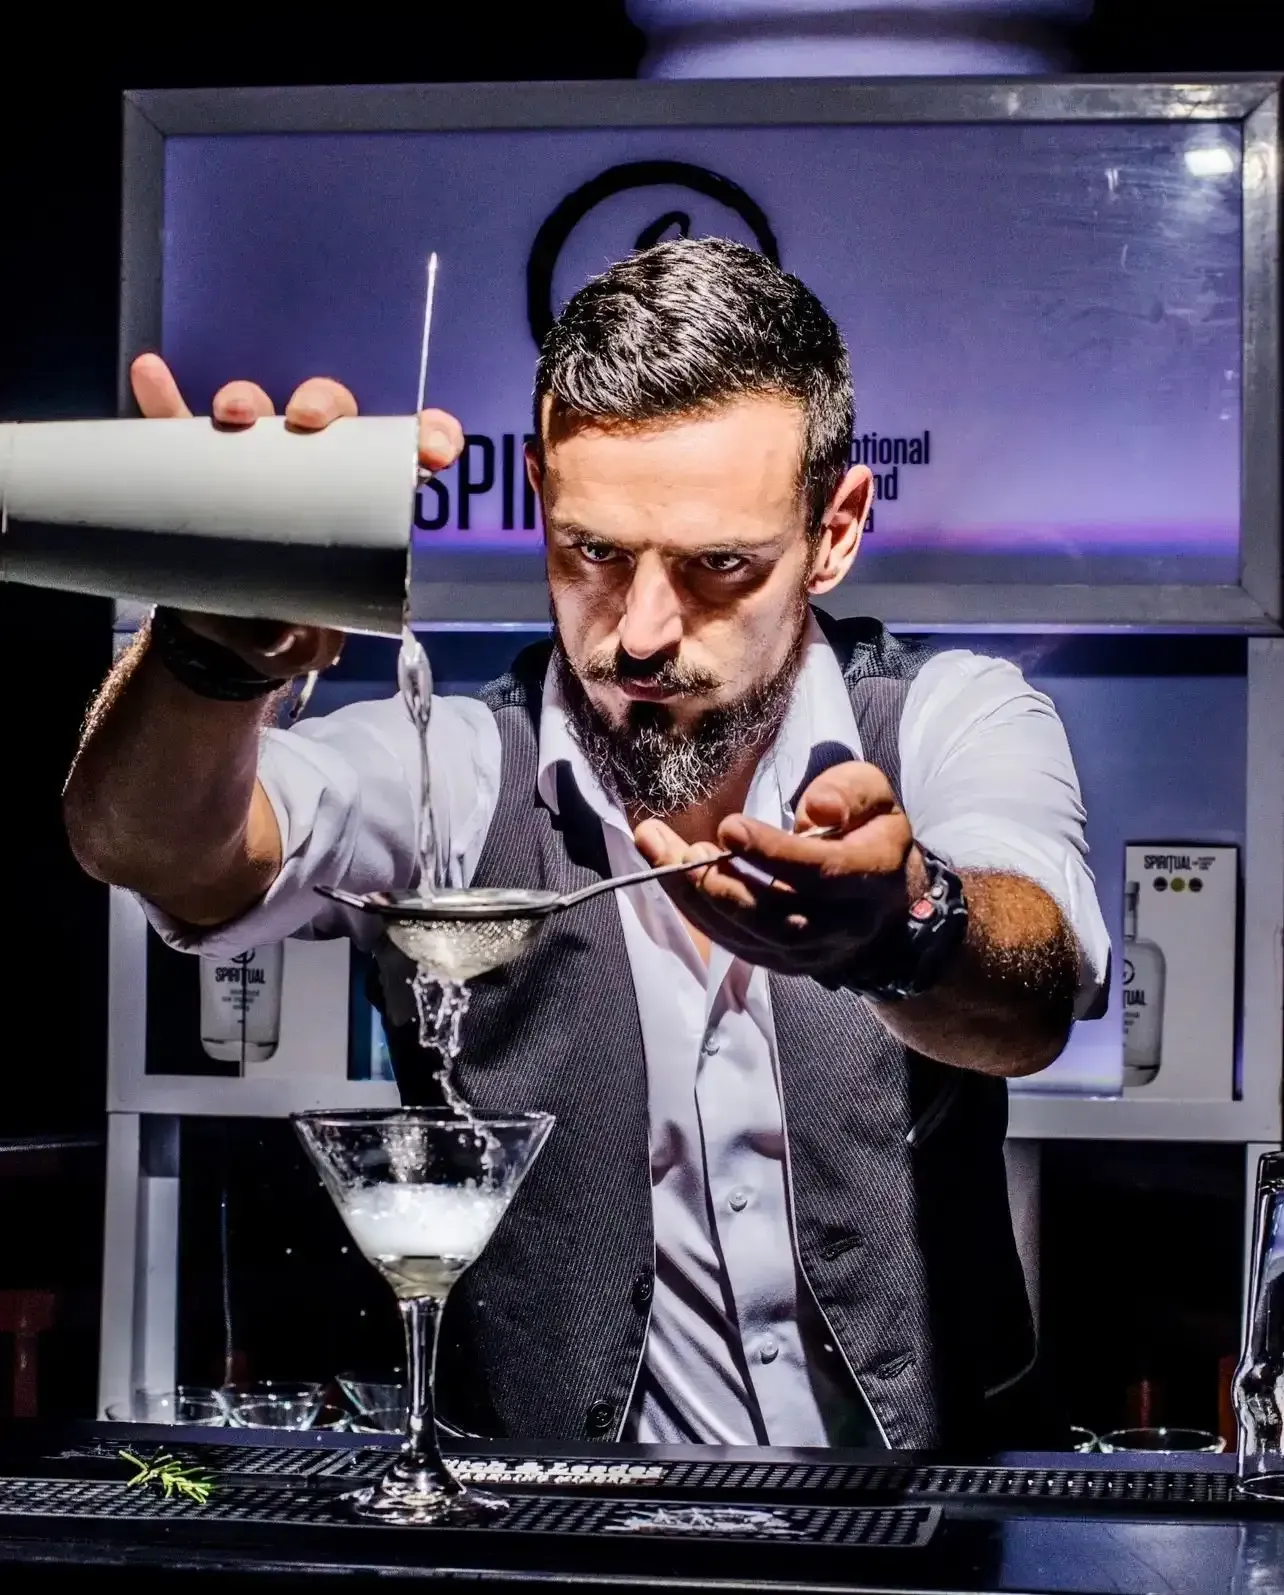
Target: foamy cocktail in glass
x=421, y=1191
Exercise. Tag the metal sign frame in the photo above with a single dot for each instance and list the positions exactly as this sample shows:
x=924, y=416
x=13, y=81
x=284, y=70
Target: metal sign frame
x=511, y=591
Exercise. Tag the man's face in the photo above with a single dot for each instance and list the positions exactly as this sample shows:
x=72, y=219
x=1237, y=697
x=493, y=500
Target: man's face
x=679, y=563
x=682, y=544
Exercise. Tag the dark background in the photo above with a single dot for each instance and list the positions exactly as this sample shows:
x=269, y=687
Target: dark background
x=59, y=182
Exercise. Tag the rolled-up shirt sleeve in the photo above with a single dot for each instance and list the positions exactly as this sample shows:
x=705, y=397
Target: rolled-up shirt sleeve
x=989, y=783
x=344, y=789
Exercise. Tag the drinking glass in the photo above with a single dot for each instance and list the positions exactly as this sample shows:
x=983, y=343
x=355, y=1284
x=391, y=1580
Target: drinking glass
x=281, y=1415
x=1169, y=1442
x=368, y=1393
x=381, y=1420
x=274, y=1404
x=197, y=1405
x=421, y=1192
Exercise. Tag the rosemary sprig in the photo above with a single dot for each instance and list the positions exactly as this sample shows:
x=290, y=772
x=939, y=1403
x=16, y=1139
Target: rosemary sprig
x=172, y=1476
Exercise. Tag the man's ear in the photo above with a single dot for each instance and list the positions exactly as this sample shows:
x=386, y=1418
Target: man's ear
x=534, y=468
x=842, y=527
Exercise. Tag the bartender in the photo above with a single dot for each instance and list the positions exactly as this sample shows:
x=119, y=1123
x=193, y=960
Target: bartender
x=774, y=1208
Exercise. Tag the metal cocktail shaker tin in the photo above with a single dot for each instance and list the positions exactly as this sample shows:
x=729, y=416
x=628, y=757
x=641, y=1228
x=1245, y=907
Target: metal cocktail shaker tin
x=261, y=522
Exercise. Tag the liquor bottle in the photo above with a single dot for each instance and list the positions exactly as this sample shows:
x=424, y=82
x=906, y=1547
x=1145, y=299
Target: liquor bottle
x=1258, y=1388
x=1143, y=998
x=241, y=1005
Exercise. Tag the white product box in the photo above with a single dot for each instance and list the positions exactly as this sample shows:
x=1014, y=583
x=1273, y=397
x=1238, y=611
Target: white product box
x=1177, y=959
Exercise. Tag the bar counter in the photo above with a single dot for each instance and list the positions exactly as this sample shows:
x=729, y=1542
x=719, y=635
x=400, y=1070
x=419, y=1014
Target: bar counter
x=623, y=1518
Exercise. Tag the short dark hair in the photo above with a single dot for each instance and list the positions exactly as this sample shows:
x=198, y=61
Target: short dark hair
x=690, y=324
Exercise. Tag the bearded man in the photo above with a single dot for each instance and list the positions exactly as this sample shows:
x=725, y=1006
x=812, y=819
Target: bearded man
x=773, y=1209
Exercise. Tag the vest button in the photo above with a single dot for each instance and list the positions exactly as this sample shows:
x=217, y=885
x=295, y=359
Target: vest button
x=643, y=1291
x=600, y=1418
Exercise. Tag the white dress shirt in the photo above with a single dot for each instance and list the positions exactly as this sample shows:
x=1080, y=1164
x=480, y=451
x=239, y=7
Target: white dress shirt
x=736, y=1351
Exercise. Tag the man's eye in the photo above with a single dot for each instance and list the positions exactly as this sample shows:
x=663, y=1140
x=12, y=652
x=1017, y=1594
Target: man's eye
x=596, y=553
x=722, y=564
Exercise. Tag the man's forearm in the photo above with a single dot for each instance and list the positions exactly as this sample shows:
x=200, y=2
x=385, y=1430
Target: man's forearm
x=163, y=795
x=1007, y=1003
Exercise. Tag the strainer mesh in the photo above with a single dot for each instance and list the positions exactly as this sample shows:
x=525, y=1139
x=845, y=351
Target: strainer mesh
x=454, y=951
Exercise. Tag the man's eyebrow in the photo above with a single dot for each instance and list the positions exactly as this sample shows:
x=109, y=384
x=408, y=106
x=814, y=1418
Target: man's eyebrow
x=574, y=529
x=722, y=545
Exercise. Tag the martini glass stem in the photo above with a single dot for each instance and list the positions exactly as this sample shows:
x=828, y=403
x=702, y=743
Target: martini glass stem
x=421, y=1455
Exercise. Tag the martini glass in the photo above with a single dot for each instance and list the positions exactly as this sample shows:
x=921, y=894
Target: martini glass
x=421, y=1192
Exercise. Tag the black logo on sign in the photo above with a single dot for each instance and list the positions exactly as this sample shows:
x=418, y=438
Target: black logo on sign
x=552, y=236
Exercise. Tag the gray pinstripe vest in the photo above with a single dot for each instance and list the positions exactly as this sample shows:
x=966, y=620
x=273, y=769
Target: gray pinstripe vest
x=900, y=1201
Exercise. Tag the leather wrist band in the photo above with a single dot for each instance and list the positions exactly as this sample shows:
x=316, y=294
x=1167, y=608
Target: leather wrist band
x=203, y=666
x=913, y=955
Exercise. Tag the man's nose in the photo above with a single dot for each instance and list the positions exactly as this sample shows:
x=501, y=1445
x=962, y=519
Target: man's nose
x=652, y=620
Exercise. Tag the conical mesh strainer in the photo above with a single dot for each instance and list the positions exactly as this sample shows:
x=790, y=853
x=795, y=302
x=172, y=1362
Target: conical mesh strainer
x=456, y=935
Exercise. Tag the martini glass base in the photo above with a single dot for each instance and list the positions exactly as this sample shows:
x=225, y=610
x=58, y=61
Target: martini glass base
x=1263, y=1486
x=411, y=1499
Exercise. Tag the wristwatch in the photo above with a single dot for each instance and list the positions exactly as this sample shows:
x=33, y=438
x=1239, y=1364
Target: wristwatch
x=911, y=958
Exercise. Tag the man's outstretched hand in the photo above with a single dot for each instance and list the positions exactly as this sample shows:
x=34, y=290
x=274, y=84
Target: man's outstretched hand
x=826, y=899
x=271, y=648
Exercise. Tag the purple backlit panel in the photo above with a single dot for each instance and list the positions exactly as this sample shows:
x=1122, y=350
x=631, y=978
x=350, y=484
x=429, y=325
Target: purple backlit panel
x=1044, y=320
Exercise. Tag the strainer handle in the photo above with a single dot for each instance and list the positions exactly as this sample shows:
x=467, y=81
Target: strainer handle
x=348, y=899
x=636, y=879
x=818, y=832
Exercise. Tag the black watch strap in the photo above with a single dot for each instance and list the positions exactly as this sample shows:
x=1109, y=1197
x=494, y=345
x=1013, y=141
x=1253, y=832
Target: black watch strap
x=913, y=956
x=204, y=666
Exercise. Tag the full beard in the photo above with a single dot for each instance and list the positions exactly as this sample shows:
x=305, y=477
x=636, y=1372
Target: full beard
x=657, y=767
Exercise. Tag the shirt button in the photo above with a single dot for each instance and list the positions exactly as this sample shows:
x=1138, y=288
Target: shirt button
x=710, y=1044
x=738, y=1200
x=768, y=1350
x=599, y=1418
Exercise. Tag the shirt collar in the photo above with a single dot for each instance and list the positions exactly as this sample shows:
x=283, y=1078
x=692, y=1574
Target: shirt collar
x=819, y=730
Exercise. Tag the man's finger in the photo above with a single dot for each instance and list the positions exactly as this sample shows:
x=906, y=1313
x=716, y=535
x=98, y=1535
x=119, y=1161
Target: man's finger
x=752, y=906
x=314, y=404
x=761, y=934
x=156, y=391
x=441, y=440
x=877, y=851
x=659, y=844
x=304, y=648
x=273, y=648
x=756, y=840
x=844, y=795
x=240, y=404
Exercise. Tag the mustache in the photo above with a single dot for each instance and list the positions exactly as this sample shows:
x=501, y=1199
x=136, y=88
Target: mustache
x=664, y=671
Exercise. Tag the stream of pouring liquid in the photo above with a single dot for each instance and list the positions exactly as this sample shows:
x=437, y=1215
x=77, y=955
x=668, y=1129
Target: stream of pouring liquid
x=441, y=1005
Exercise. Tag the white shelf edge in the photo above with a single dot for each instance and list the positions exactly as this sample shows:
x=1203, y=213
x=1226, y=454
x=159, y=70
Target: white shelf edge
x=1038, y=1117
x=203, y=1096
